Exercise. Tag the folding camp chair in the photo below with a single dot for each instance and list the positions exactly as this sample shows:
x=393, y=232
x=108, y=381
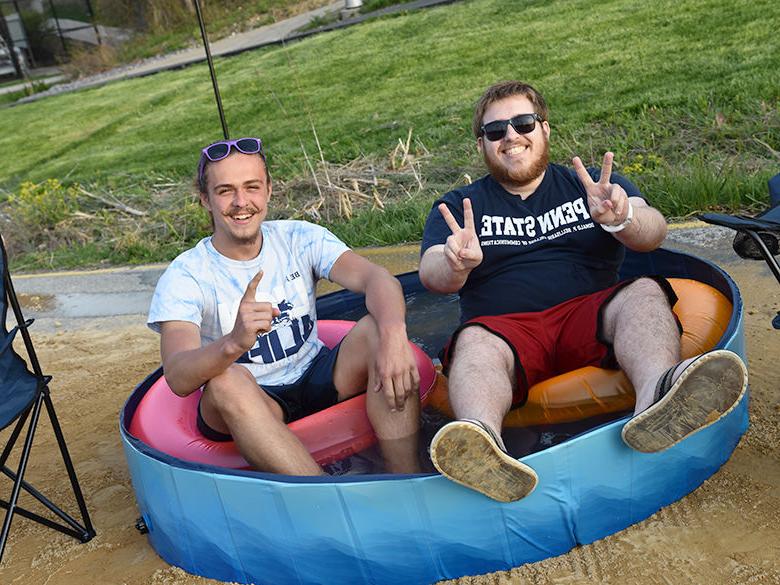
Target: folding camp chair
x=22, y=395
x=758, y=238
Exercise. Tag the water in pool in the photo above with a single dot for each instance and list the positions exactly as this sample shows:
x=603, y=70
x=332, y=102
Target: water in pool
x=430, y=318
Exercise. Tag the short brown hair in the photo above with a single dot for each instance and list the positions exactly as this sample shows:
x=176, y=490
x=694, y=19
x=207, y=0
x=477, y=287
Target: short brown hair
x=202, y=178
x=503, y=90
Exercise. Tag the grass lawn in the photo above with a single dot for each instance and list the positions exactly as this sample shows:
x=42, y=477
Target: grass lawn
x=222, y=19
x=687, y=98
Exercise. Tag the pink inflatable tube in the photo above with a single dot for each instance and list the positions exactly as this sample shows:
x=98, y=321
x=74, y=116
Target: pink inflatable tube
x=167, y=422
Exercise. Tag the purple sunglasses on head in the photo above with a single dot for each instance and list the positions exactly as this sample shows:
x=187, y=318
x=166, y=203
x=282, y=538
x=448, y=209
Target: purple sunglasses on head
x=219, y=150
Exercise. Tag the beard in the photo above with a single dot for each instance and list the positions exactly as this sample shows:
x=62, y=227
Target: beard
x=243, y=238
x=518, y=177
x=246, y=240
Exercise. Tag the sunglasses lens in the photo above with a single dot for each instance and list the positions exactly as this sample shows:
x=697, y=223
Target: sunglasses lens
x=523, y=124
x=248, y=145
x=523, y=128
x=217, y=151
x=496, y=130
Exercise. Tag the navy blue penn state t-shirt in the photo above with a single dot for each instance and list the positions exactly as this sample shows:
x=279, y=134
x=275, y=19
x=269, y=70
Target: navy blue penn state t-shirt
x=539, y=251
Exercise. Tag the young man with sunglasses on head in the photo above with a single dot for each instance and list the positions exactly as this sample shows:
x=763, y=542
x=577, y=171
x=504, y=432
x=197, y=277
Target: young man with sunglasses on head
x=236, y=315
x=534, y=249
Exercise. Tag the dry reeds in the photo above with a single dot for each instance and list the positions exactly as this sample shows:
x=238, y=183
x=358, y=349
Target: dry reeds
x=336, y=191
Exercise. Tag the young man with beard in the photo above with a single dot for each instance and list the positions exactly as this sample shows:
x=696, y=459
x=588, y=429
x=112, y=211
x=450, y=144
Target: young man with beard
x=237, y=316
x=534, y=250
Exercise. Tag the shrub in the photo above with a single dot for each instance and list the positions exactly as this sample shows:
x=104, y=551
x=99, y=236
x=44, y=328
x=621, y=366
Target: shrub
x=42, y=205
x=38, y=217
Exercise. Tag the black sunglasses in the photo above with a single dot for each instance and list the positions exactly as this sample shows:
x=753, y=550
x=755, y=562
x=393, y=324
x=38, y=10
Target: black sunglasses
x=523, y=124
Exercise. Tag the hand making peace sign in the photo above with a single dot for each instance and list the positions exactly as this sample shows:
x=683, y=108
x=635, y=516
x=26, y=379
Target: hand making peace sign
x=607, y=202
x=253, y=318
x=462, y=249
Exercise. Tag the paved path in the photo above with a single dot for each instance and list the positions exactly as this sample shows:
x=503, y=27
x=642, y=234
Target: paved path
x=86, y=32
x=64, y=301
x=17, y=87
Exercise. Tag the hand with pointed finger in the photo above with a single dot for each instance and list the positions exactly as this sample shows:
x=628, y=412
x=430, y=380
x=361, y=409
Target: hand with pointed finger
x=462, y=249
x=607, y=202
x=253, y=317
x=395, y=372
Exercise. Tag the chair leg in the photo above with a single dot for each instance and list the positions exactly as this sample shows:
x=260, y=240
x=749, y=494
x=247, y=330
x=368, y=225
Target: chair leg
x=88, y=529
x=36, y=412
x=74, y=529
x=14, y=437
x=770, y=260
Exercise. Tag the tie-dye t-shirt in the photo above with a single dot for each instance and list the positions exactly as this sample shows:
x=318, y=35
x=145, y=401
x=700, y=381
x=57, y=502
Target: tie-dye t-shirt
x=204, y=287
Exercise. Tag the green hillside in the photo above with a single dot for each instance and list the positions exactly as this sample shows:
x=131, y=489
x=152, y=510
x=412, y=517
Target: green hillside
x=685, y=93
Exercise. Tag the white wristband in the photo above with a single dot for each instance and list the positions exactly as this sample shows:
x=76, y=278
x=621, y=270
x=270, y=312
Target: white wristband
x=621, y=226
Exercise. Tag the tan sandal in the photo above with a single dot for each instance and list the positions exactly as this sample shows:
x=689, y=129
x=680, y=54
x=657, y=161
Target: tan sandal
x=469, y=453
x=707, y=389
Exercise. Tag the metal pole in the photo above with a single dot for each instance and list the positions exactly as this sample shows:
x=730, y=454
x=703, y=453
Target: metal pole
x=59, y=30
x=5, y=32
x=30, y=56
x=211, y=70
x=91, y=13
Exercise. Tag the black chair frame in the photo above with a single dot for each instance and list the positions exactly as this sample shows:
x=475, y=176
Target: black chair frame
x=41, y=398
x=757, y=237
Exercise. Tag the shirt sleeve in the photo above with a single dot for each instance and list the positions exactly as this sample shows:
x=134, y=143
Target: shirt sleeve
x=436, y=230
x=177, y=297
x=321, y=247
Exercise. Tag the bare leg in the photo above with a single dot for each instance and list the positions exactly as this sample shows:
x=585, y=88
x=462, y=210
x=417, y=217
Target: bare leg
x=639, y=324
x=470, y=451
x=234, y=404
x=481, y=377
x=695, y=394
x=396, y=430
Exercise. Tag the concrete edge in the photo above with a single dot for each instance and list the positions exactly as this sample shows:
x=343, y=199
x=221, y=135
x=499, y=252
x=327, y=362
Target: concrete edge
x=369, y=251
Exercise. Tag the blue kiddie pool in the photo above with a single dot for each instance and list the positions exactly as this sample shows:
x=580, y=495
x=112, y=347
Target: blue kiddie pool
x=250, y=527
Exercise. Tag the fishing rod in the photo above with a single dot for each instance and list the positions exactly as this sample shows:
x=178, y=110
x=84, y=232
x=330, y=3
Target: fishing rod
x=211, y=70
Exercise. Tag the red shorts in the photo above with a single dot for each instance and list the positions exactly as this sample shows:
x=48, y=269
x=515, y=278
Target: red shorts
x=557, y=340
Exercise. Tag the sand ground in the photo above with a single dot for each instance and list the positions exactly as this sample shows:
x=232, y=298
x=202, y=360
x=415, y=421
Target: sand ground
x=725, y=532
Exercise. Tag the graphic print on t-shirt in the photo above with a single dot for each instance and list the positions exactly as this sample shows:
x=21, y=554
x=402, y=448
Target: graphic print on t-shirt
x=522, y=231
x=289, y=330
x=537, y=252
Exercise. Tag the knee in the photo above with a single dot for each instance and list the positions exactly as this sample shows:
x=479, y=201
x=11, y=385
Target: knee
x=230, y=381
x=474, y=337
x=366, y=330
x=363, y=339
x=232, y=391
x=644, y=290
x=643, y=296
x=481, y=346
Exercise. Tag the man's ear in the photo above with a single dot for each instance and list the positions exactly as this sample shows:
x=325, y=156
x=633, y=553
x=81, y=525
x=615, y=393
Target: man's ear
x=479, y=145
x=546, y=128
x=204, y=201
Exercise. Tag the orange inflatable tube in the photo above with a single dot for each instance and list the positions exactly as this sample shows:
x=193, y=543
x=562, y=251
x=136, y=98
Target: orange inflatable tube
x=704, y=314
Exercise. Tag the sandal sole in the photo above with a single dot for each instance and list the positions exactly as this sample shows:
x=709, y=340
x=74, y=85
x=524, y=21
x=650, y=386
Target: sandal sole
x=467, y=454
x=706, y=391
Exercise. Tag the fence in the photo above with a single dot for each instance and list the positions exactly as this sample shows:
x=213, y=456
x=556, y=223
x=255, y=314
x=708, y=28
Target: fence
x=37, y=32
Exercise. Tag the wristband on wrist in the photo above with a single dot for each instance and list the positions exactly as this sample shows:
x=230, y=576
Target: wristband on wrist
x=621, y=226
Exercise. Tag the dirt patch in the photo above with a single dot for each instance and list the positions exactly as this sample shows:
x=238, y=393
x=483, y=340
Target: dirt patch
x=725, y=532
